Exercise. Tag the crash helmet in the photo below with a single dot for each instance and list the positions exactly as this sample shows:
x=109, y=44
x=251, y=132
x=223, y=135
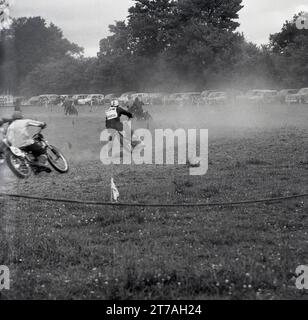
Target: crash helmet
x=114, y=103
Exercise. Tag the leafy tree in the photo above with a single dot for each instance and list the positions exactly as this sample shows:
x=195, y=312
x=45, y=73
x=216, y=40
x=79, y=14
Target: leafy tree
x=117, y=44
x=279, y=42
x=218, y=13
x=165, y=45
x=30, y=42
x=289, y=54
x=36, y=43
x=57, y=76
x=172, y=41
x=149, y=23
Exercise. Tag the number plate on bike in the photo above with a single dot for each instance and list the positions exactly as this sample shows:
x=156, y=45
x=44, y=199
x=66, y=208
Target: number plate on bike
x=111, y=114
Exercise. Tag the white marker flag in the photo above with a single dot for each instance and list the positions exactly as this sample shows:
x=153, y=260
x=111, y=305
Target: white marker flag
x=114, y=191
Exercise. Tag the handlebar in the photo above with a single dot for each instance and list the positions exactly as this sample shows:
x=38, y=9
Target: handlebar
x=39, y=131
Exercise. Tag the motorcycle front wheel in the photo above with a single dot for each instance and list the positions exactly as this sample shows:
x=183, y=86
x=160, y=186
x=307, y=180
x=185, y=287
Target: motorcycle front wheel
x=57, y=160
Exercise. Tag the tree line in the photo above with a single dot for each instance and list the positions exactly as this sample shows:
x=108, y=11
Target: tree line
x=163, y=45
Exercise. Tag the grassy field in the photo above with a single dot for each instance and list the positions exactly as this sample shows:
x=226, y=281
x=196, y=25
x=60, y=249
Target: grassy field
x=61, y=251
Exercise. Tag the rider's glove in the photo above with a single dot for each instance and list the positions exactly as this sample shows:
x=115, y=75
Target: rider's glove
x=44, y=125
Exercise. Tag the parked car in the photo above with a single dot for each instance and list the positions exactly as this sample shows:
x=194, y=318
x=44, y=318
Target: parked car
x=78, y=97
x=217, y=98
x=174, y=98
x=2, y=101
x=64, y=96
x=248, y=96
x=34, y=101
x=144, y=97
x=263, y=96
x=205, y=94
x=109, y=97
x=49, y=98
x=19, y=100
x=94, y=99
x=269, y=96
x=157, y=98
x=192, y=97
x=234, y=95
x=183, y=97
x=282, y=94
x=300, y=97
x=126, y=97
x=6, y=100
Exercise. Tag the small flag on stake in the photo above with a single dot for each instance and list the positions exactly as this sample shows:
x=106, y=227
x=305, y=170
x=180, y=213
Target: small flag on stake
x=114, y=191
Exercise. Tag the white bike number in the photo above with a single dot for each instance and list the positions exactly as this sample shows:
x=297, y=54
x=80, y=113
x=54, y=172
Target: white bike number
x=111, y=114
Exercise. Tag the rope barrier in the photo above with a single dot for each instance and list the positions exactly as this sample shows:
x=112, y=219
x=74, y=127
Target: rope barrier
x=156, y=205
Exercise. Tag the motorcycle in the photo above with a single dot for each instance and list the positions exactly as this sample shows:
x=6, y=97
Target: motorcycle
x=143, y=117
x=21, y=163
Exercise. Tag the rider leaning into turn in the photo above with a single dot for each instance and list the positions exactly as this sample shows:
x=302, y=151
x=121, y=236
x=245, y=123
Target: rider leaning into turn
x=19, y=137
x=3, y=130
x=113, y=116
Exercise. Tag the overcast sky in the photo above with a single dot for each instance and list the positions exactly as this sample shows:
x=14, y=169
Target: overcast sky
x=85, y=22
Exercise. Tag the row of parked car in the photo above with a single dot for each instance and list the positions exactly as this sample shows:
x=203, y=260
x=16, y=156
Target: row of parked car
x=82, y=99
x=210, y=97
x=6, y=100
x=218, y=97
x=95, y=99
x=285, y=96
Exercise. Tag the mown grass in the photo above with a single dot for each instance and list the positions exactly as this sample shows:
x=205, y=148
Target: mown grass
x=61, y=251
x=124, y=254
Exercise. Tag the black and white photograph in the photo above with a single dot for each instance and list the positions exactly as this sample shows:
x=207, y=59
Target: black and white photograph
x=154, y=150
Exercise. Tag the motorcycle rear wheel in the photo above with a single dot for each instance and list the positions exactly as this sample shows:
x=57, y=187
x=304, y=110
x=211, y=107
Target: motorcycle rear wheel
x=18, y=166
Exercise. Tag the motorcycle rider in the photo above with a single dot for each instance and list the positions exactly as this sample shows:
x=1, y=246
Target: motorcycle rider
x=19, y=137
x=113, y=121
x=15, y=116
x=136, y=109
x=113, y=116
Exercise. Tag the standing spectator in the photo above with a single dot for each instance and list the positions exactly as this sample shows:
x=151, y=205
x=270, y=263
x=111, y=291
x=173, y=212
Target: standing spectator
x=17, y=105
